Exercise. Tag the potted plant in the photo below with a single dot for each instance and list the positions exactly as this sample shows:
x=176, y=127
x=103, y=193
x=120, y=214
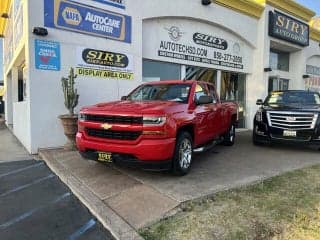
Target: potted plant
x=69, y=121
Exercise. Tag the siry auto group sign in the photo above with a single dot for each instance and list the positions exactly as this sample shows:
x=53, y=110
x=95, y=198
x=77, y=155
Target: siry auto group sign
x=289, y=29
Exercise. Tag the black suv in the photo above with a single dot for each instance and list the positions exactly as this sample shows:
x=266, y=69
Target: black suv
x=290, y=116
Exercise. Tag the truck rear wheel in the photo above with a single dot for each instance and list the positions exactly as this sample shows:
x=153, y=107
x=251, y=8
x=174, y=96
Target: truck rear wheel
x=229, y=136
x=182, y=158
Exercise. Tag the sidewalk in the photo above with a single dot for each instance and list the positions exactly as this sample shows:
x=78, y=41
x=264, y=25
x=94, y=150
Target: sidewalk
x=10, y=148
x=121, y=203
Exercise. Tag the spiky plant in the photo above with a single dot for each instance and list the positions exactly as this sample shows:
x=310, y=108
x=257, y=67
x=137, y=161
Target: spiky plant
x=71, y=96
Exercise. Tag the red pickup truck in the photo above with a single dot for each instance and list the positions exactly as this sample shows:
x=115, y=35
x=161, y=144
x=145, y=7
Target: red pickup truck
x=158, y=125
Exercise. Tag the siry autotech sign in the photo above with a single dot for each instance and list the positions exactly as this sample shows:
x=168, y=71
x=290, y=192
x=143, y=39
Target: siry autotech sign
x=67, y=15
x=104, y=64
x=289, y=29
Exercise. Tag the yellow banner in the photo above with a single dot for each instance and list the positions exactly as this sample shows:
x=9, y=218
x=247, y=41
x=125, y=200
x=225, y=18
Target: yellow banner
x=89, y=72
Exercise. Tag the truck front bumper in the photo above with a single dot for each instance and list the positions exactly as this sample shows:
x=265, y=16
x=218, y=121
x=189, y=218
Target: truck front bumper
x=153, y=152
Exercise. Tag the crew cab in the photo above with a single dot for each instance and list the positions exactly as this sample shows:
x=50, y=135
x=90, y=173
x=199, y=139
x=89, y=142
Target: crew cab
x=158, y=125
x=288, y=116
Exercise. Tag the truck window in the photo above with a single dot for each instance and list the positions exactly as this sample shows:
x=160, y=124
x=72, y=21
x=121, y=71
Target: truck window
x=212, y=93
x=200, y=91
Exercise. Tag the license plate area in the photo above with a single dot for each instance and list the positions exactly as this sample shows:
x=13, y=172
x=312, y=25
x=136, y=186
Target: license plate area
x=289, y=133
x=104, y=157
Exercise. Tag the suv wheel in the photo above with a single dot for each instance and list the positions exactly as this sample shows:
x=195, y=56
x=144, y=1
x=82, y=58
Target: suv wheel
x=182, y=159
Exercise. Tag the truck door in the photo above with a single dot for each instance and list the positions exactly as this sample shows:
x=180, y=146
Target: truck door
x=216, y=117
x=203, y=113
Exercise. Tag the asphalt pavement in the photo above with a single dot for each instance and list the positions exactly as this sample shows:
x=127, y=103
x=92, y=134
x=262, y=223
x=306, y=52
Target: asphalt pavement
x=35, y=204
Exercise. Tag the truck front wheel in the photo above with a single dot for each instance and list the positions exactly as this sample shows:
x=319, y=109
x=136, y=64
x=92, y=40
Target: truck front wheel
x=182, y=158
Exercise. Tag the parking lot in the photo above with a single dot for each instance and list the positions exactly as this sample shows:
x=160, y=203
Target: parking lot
x=141, y=197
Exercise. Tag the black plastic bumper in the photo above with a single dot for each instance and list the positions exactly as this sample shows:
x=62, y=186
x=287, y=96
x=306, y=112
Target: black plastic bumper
x=131, y=161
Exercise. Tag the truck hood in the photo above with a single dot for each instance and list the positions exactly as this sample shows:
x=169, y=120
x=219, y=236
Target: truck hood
x=132, y=107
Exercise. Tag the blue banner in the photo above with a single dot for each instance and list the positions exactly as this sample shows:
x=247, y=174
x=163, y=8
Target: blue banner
x=47, y=55
x=67, y=15
x=114, y=3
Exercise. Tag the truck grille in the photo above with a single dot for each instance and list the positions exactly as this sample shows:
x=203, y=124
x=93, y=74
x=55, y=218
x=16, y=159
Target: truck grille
x=292, y=120
x=109, y=134
x=113, y=119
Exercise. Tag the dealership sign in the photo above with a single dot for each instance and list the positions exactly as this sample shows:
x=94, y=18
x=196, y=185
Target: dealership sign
x=72, y=16
x=114, y=3
x=289, y=29
x=104, y=64
x=47, y=55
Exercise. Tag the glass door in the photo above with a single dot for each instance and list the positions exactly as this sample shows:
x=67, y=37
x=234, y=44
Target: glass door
x=233, y=88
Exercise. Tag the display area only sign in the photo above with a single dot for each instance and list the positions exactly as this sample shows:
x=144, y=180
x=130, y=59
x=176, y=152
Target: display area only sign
x=47, y=55
x=104, y=64
x=72, y=16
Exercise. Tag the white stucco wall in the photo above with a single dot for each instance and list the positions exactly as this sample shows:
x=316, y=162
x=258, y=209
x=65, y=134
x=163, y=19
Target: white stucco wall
x=36, y=119
x=46, y=92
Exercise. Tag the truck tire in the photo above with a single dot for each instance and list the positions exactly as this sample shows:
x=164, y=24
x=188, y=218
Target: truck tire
x=182, y=158
x=229, y=136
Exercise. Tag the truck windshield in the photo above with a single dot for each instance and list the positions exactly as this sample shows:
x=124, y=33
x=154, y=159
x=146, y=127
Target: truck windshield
x=161, y=92
x=288, y=98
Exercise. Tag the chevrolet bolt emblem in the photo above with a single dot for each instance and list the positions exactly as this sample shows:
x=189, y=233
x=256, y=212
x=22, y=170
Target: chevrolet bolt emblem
x=106, y=126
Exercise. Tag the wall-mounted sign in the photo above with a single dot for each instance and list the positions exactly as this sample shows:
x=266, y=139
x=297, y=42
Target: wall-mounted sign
x=63, y=14
x=210, y=41
x=104, y=64
x=47, y=55
x=114, y=3
x=195, y=43
x=314, y=70
x=289, y=29
x=187, y=51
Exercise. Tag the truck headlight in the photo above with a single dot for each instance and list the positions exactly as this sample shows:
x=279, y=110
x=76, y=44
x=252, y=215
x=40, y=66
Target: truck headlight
x=259, y=116
x=153, y=120
x=81, y=117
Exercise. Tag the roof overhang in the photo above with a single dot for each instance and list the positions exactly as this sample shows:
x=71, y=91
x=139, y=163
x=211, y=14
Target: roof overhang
x=292, y=8
x=4, y=11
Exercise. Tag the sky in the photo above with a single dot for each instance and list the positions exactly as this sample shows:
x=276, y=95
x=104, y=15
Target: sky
x=312, y=4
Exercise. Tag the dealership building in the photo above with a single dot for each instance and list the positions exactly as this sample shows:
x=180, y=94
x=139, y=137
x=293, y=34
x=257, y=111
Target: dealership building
x=247, y=48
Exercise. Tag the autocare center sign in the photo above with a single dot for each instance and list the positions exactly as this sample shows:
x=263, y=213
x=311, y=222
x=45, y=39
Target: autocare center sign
x=72, y=16
x=203, y=45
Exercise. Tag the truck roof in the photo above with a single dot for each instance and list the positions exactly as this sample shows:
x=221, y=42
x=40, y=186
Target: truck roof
x=173, y=82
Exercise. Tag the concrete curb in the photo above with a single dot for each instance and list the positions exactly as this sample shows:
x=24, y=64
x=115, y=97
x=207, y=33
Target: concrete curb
x=119, y=228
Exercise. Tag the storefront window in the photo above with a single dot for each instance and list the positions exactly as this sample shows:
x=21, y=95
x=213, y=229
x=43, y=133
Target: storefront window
x=233, y=88
x=201, y=74
x=278, y=84
x=155, y=71
x=279, y=60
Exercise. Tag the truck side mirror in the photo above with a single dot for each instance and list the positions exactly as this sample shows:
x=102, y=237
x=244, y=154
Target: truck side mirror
x=204, y=100
x=259, y=102
x=123, y=98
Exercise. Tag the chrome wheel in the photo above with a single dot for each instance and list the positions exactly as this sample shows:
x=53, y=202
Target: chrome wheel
x=185, y=153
